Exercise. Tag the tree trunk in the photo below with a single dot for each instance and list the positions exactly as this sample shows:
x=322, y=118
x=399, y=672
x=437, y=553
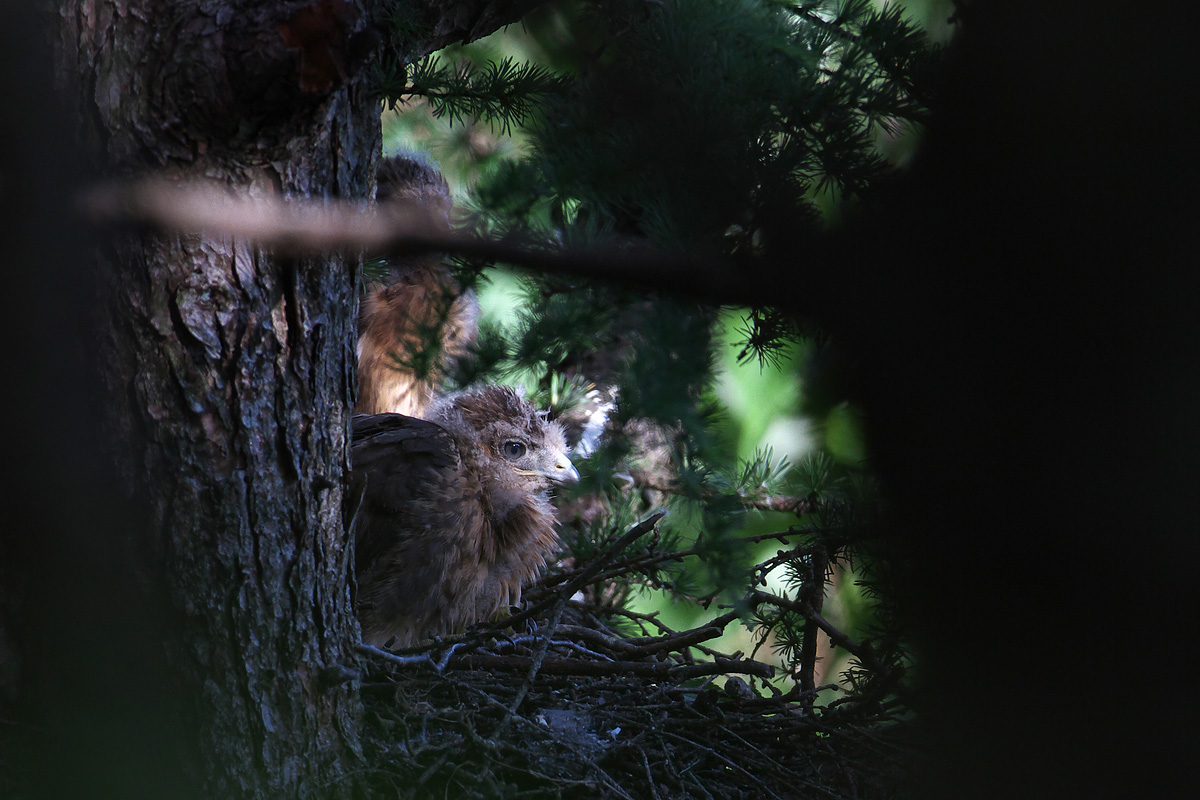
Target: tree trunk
x=229, y=370
x=228, y=377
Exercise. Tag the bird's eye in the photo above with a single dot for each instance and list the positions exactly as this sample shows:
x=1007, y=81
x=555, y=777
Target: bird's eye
x=513, y=449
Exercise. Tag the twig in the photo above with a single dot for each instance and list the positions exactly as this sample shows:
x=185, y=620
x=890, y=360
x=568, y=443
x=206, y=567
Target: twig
x=812, y=594
x=781, y=536
x=644, y=669
x=720, y=757
x=612, y=643
x=604, y=776
x=679, y=641
x=410, y=660
x=639, y=617
x=649, y=774
x=536, y=664
x=586, y=574
x=432, y=768
x=862, y=651
x=638, y=563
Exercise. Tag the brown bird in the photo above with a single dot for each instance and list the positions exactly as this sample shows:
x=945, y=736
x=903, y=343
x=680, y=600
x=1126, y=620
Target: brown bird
x=454, y=516
x=409, y=332
x=413, y=324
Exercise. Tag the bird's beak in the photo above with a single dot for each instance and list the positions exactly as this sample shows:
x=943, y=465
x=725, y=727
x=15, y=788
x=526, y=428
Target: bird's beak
x=563, y=471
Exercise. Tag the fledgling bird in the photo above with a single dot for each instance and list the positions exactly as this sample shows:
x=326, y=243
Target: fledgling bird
x=416, y=322
x=454, y=516
x=409, y=332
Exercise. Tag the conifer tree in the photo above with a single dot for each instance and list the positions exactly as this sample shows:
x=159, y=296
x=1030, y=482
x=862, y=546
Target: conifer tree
x=767, y=125
x=1031, y=440
x=689, y=146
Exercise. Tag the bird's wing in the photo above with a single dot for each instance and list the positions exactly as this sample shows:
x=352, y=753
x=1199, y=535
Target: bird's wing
x=411, y=435
x=399, y=464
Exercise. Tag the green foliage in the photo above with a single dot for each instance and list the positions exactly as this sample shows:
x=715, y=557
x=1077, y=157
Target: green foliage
x=764, y=105
x=403, y=22
x=558, y=327
x=375, y=269
x=731, y=129
x=769, y=109
x=814, y=479
x=767, y=332
x=560, y=393
x=503, y=92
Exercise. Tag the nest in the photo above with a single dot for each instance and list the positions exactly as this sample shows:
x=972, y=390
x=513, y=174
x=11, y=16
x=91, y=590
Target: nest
x=593, y=700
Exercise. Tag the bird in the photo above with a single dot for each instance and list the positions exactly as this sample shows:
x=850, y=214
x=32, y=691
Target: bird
x=410, y=331
x=454, y=516
x=417, y=320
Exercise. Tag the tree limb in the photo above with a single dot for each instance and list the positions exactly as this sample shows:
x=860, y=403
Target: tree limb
x=296, y=226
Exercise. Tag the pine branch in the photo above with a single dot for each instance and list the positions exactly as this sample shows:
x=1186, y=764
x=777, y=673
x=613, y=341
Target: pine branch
x=794, y=505
x=502, y=92
x=767, y=332
x=860, y=650
x=812, y=594
x=889, y=19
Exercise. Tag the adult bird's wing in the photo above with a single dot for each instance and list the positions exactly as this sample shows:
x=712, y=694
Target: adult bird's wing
x=401, y=464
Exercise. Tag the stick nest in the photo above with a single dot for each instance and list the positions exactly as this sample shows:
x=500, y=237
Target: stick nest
x=592, y=700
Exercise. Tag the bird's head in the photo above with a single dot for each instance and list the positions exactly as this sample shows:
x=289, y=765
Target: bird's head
x=515, y=434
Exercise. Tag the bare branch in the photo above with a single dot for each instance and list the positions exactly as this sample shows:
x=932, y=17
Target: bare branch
x=298, y=226
x=643, y=669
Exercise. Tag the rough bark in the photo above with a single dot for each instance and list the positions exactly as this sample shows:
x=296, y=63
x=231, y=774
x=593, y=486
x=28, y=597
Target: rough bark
x=229, y=371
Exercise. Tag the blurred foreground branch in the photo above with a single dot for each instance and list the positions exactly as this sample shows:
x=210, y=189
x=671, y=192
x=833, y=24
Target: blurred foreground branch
x=299, y=226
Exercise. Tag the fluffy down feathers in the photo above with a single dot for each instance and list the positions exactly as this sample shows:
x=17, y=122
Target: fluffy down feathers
x=409, y=331
x=454, y=515
x=416, y=322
